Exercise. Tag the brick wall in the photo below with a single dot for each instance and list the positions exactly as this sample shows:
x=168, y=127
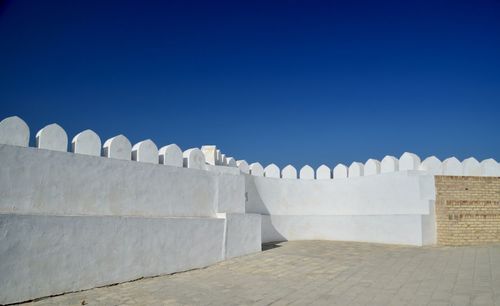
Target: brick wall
x=467, y=210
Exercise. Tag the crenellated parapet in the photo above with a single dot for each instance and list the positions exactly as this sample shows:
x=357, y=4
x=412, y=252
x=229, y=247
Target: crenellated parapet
x=139, y=201
x=14, y=131
x=389, y=164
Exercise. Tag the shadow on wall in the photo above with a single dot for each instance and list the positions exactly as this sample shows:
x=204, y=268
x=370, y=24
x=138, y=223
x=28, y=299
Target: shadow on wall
x=253, y=203
x=269, y=232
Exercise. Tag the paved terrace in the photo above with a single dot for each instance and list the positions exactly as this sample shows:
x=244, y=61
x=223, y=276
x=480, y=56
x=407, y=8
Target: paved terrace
x=320, y=273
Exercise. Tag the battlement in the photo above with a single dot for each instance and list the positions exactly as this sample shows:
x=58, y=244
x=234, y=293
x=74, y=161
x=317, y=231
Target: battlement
x=14, y=131
x=94, y=211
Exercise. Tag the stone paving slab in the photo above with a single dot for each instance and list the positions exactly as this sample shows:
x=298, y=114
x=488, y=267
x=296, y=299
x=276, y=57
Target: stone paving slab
x=320, y=273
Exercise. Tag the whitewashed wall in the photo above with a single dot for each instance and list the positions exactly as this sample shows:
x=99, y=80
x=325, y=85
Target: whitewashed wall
x=394, y=193
x=47, y=255
x=75, y=220
x=391, y=229
x=51, y=182
x=60, y=213
x=390, y=208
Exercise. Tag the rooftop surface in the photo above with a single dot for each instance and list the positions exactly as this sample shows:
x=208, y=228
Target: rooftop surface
x=320, y=273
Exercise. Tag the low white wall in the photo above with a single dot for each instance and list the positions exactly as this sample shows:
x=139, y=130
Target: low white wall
x=243, y=234
x=47, y=255
x=50, y=182
x=393, y=229
x=387, y=208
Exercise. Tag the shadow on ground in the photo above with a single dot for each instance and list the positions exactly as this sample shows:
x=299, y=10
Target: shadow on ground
x=271, y=245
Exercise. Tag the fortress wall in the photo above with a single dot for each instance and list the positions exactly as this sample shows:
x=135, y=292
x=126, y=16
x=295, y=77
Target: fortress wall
x=167, y=210
x=70, y=222
x=142, y=180
x=100, y=215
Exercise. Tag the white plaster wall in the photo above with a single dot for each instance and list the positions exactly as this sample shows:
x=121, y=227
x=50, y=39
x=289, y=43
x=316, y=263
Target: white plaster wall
x=47, y=255
x=223, y=169
x=231, y=193
x=72, y=222
x=50, y=182
x=243, y=234
x=429, y=230
x=406, y=192
x=394, y=229
x=391, y=207
x=388, y=208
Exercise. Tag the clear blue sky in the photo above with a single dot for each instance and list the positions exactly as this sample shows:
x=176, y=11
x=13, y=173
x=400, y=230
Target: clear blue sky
x=298, y=82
